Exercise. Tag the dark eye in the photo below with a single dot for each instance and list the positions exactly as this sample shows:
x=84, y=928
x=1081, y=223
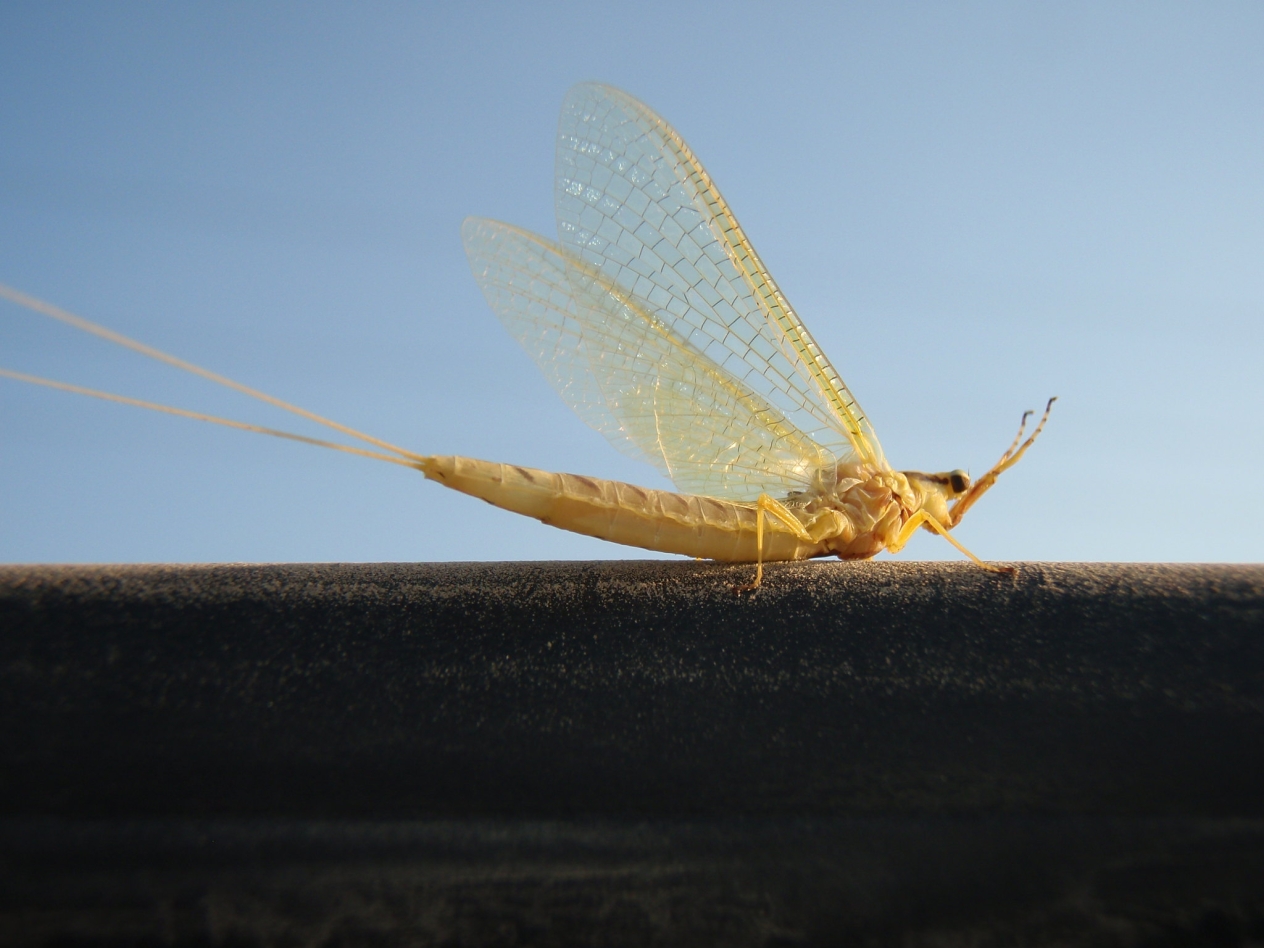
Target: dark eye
x=959, y=482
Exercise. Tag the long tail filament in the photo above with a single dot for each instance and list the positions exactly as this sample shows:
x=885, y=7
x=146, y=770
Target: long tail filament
x=397, y=455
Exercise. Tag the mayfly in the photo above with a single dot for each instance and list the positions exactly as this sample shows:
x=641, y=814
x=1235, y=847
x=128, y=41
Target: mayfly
x=655, y=320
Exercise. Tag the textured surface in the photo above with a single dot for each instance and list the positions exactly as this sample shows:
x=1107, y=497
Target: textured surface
x=631, y=689
x=906, y=882
x=626, y=753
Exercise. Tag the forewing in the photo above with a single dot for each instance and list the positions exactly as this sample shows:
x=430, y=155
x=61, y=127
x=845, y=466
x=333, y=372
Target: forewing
x=635, y=202
x=632, y=377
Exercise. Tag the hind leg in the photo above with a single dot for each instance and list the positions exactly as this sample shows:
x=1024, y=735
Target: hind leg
x=768, y=507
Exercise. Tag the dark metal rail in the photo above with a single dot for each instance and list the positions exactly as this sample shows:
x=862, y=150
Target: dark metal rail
x=554, y=753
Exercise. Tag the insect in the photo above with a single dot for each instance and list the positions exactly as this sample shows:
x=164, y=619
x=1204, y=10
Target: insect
x=655, y=320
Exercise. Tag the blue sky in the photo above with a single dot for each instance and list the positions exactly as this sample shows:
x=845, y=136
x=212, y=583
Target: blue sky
x=973, y=206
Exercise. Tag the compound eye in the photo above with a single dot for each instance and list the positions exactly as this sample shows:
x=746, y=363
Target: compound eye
x=960, y=482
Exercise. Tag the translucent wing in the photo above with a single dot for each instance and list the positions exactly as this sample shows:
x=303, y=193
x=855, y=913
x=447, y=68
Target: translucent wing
x=632, y=377
x=634, y=202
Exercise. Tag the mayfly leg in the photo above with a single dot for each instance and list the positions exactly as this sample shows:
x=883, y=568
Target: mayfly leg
x=766, y=506
x=1022, y=426
x=1008, y=460
x=922, y=518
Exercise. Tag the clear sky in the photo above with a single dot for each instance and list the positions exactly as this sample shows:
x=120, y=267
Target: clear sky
x=972, y=205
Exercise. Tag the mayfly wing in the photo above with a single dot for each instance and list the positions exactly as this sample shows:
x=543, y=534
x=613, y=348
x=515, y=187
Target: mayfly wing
x=633, y=377
x=634, y=201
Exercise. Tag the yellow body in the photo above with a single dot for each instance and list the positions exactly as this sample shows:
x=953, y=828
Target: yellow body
x=862, y=515
x=655, y=320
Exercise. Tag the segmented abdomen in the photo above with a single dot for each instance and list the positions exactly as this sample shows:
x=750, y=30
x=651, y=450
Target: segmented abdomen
x=623, y=513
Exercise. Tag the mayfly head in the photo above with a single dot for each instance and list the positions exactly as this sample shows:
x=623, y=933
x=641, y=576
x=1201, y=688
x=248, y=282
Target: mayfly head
x=933, y=492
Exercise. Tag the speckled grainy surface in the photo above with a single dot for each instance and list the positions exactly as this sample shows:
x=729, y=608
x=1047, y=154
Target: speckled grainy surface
x=631, y=689
x=548, y=753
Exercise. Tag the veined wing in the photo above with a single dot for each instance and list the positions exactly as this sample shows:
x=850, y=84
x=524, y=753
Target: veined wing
x=635, y=202
x=633, y=377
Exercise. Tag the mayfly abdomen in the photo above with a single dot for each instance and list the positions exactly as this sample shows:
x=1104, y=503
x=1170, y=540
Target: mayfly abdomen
x=624, y=513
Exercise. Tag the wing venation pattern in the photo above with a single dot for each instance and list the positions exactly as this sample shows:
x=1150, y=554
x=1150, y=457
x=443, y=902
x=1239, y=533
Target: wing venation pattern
x=635, y=378
x=635, y=202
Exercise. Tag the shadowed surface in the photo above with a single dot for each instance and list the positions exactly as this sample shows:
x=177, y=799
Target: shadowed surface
x=872, y=750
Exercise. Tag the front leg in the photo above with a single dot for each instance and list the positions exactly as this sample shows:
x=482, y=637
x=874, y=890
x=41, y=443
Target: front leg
x=1011, y=457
